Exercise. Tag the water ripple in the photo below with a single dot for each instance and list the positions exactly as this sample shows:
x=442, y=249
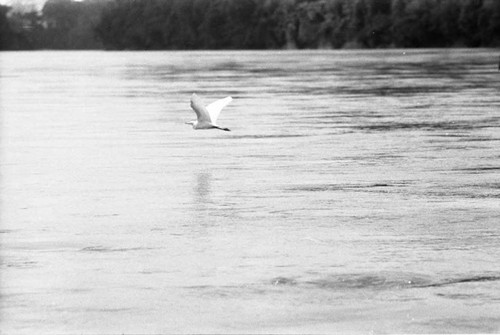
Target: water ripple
x=258, y=137
x=348, y=187
x=380, y=281
x=105, y=249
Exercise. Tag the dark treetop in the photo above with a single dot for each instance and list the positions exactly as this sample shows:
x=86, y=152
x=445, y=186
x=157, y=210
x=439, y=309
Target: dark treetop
x=251, y=24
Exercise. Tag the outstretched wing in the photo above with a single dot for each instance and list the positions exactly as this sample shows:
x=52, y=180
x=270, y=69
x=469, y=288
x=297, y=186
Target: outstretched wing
x=215, y=107
x=200, y=110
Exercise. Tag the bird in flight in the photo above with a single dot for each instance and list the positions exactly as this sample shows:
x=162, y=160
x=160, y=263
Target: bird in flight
x=207, y=115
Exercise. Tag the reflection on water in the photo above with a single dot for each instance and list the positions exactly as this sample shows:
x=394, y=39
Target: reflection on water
x=202, y=188
x=357, y=192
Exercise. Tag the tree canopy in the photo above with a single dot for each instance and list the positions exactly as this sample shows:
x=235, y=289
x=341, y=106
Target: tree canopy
x=252, y=24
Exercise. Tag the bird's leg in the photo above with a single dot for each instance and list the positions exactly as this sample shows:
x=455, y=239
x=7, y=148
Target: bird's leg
x=225, y=129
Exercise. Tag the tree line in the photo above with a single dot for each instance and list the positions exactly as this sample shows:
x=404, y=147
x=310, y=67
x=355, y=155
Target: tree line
x=251, y=24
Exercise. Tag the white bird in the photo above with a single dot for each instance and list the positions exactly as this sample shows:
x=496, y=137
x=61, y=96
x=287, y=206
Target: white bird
x=207, y=116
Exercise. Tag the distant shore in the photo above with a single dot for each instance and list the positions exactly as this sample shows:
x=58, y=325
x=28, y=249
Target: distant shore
x=254, y=25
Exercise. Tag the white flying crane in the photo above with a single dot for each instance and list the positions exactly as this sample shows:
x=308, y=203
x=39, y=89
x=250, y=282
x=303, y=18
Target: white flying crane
x=207, y=116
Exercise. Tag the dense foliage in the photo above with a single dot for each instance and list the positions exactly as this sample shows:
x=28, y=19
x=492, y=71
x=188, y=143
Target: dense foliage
x=252, y=24
x=62, y=24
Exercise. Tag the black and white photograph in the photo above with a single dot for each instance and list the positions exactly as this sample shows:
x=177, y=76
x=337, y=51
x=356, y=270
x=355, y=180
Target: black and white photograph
x=249, y=167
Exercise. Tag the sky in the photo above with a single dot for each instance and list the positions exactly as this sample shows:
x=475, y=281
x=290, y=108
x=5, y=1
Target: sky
x=28, y=3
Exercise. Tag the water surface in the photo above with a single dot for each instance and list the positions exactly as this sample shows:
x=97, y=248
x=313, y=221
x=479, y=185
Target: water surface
x=357, y=191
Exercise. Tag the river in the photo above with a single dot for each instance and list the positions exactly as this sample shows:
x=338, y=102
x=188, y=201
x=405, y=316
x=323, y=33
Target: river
x=358, y=191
